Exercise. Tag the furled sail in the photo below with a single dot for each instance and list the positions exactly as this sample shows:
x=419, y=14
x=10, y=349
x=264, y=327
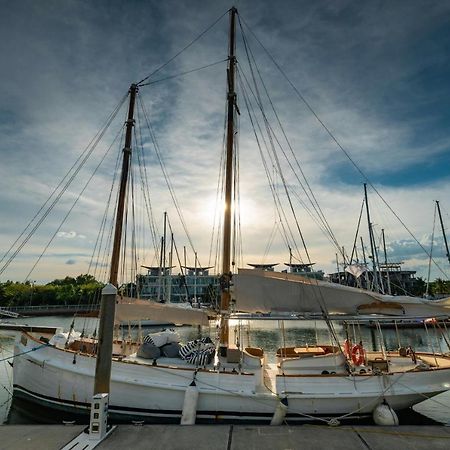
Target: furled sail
x=132, y=309
x=258, y=291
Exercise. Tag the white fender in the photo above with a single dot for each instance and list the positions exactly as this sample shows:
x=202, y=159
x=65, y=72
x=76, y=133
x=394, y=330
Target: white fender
x=280, y=412
x=384, y=415
x=190, y=405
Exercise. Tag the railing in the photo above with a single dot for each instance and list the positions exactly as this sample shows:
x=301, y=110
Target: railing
x=39, y=308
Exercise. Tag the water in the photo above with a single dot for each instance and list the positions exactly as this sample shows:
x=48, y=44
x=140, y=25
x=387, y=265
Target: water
x=269, y=335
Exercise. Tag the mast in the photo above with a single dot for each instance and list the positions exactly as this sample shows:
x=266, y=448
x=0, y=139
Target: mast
x=108, y=302
x=366, y=277
x=226, y=262
x=169, y=294
x=443, y=231
x=160, y=270
x=388, y=277
x=372, y=247
x=164, y=274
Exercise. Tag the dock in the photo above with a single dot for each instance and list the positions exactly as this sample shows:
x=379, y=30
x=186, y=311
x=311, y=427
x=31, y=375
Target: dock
x=232, y=437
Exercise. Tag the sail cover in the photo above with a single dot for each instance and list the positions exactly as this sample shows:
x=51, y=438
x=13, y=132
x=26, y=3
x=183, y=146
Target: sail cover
x=258, y=291
x=132, y=309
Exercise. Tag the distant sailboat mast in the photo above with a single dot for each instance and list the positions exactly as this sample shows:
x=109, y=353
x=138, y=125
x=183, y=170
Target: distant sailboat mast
x=226, y=255
x=443, y=231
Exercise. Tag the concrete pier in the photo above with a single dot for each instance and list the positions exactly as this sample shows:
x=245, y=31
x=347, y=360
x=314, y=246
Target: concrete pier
x=227, y=437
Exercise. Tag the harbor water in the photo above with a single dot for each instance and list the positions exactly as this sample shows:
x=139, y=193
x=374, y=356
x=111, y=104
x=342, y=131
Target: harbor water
x=269, y=335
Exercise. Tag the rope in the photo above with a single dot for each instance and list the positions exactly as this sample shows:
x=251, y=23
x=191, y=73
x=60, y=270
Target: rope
x=308, y=191
x=335, y=140
x=182, y=50
x=184, y=73
x=70, y=176
x=166, y=175
x=24, y=353
x=71, y=208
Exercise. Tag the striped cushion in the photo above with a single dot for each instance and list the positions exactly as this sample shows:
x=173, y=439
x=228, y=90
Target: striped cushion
x=198, y=352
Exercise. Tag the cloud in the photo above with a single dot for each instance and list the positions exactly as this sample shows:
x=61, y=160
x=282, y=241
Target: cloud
x=71, y=262
x=376, y=76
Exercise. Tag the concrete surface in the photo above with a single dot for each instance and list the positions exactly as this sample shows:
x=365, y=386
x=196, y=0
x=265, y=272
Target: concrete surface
x=236, y=437
x=37, y=437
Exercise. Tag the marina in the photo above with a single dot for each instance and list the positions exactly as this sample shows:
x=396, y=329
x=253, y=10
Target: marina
x=150, y=342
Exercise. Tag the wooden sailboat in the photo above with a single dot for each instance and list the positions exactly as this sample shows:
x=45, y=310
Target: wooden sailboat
x=236, y=384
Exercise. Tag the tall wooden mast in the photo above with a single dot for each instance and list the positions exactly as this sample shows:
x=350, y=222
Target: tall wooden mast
x=108, y=303
x=229, y=176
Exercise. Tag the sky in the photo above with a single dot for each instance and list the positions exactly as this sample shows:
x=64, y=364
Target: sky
x=376, y=74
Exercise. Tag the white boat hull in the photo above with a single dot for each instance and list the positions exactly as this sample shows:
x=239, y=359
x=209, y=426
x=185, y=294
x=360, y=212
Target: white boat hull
x=64, y=380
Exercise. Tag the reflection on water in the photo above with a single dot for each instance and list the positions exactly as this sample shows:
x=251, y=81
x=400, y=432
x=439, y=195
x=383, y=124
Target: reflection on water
x=269, y=335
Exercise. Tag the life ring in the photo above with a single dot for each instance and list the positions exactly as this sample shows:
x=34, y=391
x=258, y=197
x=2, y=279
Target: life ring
x=358, y=354
x=347, y=347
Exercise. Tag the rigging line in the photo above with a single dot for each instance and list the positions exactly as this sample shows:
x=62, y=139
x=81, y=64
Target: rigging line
x=107, y=248
x=55, y=201
x=166, y=176
x=183, y=49
x=361, y=172
x=270, y=241
x=277, y=167
x=219, y=179
x=314, y=203
x=93, y=143
x=99, y=239
x=145, y=187
x=24, y=353
x=236, y=198
x=72, y=207
x=319, y=295
x=123, y=242
x=320, y=220
x=275, y=196
x=133, y=263
x=286, y=234
x=272, y=146
x=187, y=72
x=147, y=190
x=357, y=232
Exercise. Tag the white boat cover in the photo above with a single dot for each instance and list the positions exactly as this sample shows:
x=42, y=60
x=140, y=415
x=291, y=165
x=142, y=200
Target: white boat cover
x=259, y=291
x=132, y=309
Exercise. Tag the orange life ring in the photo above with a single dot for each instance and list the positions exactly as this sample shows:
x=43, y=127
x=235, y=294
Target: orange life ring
x=358, y=354
x=347, y=346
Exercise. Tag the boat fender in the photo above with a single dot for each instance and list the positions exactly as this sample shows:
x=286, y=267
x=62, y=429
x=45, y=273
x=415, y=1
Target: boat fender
x=190, y=405
x=384, y=415
x=358, y=354
x=280, y=412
